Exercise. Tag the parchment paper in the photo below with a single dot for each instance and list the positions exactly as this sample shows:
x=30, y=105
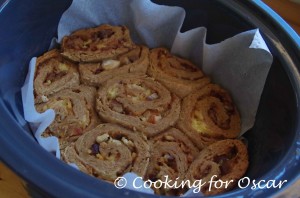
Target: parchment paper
x=240, y=64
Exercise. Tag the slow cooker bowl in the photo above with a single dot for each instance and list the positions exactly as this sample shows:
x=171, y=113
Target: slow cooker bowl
x=27, y=28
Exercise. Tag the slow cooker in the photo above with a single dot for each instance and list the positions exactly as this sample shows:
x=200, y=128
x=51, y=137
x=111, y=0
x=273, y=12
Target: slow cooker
x=27, y=28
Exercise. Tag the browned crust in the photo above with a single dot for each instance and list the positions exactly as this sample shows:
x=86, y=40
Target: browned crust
x=70, y=156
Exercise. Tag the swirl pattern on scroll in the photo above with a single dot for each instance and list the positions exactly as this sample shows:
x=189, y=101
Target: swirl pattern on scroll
x=226, y=159
x=109, y=151
x=179, y=75
x=53, y=73
x=134, y=61
x=209, y=115
x=95, y=44
x=75, y=113
x=138, y=102
x=171, y=155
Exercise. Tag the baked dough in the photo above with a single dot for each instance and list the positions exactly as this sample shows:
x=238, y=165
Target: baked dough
x=226, y=159
x=52, y=74
x=208, y=115
x=179, y=75
x=171, y=155
x=133, y=61
x=109, y=151
x=138, y=102
x=75, y=113
x=96, y=44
